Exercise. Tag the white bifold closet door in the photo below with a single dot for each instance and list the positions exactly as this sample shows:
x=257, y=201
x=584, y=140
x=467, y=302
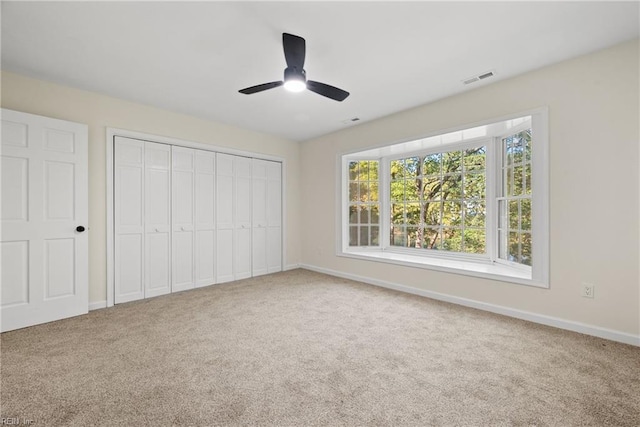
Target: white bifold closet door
x=274, y=217
x=142, y=191
x=205, y=217
x=193, y=218
x=266, y=217
x=225, y=184
x=233, y=217
x=183, y=176
x=242, y=218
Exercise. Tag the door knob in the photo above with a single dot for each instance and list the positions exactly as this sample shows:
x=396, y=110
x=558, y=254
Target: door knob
x=80, y=229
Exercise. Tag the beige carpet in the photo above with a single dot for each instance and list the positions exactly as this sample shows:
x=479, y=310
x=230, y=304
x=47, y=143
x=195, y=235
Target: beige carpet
x=305, y=349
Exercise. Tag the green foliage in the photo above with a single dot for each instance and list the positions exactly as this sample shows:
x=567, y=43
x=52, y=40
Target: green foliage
x=364, y=207
x=438, y=201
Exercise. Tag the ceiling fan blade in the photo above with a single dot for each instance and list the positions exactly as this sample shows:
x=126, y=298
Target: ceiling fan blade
x=294, y=50
x=260, y=88
x=327, y=90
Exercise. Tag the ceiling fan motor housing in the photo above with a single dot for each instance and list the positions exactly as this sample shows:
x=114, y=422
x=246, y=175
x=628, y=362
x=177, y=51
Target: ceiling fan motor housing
x=292, y=73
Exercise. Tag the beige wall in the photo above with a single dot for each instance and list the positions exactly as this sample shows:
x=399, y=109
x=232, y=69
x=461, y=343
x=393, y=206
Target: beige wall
x=594, y=159
x=99, y=112
x=594, y=146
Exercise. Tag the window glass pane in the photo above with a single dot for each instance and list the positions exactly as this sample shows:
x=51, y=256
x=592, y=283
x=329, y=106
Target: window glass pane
x=396, y=168
x=397, y=214
x=397, y=191
x=525, y=214
x=398, y=236
x=411, y=167
x=474, y=213
x=375, y=215
x=474, y=185
x=413, y=213
x=412, y=237
x=364, y=236
x=514, y=246
x=452, y=239
x=411, y=191
x=353, y=171
x=431, y=238
x=526, y=248
x=353, y=236
x=514, y=215
x=527, y=145
x=475, y=159
x=452, y=162
x=353, y=191
x=364, y=215
x=433, y=213
x=353, y=214
x=373, y=192
x=474, y=241
x=363, y=197
x=518, y=180
x=375, y=236
x=452, y=187
x=527, y=177
x=431, y=165
x=432, y=187
x=373, y=170
x=451, y=213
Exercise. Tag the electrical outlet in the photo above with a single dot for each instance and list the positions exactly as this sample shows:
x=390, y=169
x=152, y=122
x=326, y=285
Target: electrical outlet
x=587, y=290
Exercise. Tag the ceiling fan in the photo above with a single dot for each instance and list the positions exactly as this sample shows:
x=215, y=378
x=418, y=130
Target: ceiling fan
x=295, y=77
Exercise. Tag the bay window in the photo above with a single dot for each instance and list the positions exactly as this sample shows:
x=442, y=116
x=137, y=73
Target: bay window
x=472, y=201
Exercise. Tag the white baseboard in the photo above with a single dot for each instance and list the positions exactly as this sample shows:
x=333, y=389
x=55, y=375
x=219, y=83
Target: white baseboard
x=291, y=267
x=97, y=305
x=569, y=325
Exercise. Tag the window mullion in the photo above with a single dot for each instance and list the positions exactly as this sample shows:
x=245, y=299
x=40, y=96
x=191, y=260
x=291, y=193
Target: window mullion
x=385, y=203
x=494, y=180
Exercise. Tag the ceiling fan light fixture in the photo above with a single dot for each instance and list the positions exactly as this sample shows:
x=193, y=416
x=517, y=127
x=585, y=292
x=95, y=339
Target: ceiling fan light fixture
x=295, y=80
x=295, y=85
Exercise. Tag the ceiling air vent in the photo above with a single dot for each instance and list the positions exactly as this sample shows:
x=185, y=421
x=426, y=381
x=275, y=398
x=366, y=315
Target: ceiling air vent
x=478, y=77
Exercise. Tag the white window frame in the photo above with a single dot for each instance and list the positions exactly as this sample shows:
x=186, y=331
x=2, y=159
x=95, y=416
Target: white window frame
x=478, y=265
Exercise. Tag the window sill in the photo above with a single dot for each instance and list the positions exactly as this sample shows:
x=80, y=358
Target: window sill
x=469, y=268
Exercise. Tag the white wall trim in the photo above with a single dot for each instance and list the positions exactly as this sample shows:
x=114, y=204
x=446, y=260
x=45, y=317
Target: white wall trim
x=291, y=267
x=569, y=325
x=97, y=305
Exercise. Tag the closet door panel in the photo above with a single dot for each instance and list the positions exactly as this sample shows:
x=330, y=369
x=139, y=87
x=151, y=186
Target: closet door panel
x=129, y=220
x=157, y=219
x=242, y=255
x=225, y=183
x=243, y=201
x=183, y=182
x=274, y=217
x=259, y=217
x=242, y=217
x=158, y=264
x=204, y=221
x=259, y=251
x=274, y=249
x=182, y=260
x=224, y=256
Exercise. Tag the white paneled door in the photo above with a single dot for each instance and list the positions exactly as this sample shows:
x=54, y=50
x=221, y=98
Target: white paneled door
x=183, y=174
x=266, y=218
x=44, y=214
x=225, y=184
x=204, y=217
x=242, y=218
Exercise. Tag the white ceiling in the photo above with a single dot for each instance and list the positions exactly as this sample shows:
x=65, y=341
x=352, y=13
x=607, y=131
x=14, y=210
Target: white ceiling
x=193, y=57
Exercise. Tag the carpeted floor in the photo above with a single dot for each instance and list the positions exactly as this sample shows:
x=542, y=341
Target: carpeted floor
x=305, y=349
